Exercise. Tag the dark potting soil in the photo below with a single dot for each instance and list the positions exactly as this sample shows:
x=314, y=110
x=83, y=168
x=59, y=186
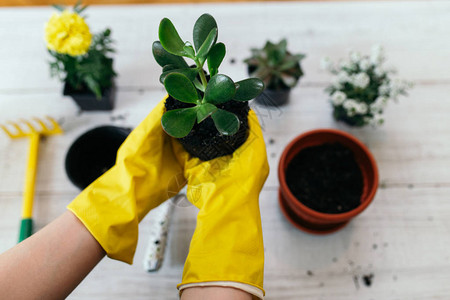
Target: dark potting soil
x=204, y=141
x=326, y=178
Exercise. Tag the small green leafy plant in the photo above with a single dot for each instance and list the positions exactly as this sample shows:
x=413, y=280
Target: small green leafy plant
x=191, y=85
x=275, y=66
x=90, y=68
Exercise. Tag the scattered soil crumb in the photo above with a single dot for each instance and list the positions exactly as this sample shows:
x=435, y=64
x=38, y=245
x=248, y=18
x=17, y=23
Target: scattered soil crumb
x=410, y=186
x=356, y=244
x=374, y=246
x=141, y=91
x=118, y=117
x=232, y=61
x=382, y=185
x=309, y=273
x=321, y=284
x=385, y=245
x=355, y=280
x=271, y=141
x=334, y=259
x=351, y=263
x=367, y=279
x=273, y=154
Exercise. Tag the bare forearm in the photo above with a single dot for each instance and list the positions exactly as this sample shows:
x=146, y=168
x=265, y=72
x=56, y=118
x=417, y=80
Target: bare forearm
x=50, y=263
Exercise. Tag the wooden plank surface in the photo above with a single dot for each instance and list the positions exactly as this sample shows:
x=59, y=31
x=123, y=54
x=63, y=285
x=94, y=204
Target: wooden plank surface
x=128, y=2
x=402, y=238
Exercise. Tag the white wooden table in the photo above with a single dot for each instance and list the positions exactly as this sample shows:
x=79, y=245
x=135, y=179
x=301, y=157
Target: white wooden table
x=403, y=238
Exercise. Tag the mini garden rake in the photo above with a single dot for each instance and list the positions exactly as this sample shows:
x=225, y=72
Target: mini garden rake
x=34, y=134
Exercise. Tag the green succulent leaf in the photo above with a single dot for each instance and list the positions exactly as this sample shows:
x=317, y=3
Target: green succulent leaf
x=206, y=46
x=215, y=58
x=170, y=39
x=205, y=110
x=190, y=73
x=202, y=28
x=189, y=50
x=220, y=89
x=198, y=85
x=248, y=89
x=164, y=58
x=226, y=122
x=179, y=122
x=169, y=67
x=276, y=52
x=181, y=88
x=291, y=62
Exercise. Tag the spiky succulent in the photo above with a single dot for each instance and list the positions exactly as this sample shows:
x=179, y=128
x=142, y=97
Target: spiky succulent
x=275, y=66
x=190, y=84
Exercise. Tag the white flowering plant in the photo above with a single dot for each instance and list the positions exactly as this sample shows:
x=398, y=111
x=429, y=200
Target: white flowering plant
x=362, y=87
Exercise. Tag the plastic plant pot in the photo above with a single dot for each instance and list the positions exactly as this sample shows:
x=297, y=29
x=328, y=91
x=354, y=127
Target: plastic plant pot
x=273, y=97
x=94, y=153
x=87, y=101
x=312, y=221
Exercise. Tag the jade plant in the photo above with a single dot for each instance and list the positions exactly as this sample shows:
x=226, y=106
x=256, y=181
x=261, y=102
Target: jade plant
x=275, y=65
x=189, y=83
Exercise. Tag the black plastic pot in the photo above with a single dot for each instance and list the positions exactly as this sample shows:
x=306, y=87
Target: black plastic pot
x=94, y=153
x=86, y=100
x=273, y=97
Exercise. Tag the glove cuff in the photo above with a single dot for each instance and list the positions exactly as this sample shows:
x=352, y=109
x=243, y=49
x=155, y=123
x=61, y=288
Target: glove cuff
x=255, y=291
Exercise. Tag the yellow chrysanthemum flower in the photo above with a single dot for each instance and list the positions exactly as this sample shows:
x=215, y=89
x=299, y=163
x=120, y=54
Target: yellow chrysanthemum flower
x=67, y=33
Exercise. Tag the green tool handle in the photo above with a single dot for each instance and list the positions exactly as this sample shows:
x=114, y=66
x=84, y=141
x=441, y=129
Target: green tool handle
x=26, y=229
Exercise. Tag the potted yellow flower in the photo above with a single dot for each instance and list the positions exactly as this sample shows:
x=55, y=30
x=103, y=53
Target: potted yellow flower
x=81, y=59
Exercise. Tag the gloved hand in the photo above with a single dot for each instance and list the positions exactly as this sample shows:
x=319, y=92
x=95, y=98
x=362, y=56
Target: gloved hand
x=227, y=247
x=144, y=175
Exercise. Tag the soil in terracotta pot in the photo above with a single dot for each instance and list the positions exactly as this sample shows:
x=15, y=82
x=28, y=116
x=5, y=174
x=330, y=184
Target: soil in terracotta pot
x=326, y=178
x=204, y=141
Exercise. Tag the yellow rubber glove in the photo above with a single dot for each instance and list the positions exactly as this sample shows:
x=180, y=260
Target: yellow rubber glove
x=143, y=177
x=227, y=247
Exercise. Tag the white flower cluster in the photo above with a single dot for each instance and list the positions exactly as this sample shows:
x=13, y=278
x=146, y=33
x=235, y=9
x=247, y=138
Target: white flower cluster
x=361, y=87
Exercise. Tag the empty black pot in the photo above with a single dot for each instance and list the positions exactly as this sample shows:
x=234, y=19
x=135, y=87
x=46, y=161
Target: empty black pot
x=94, y=153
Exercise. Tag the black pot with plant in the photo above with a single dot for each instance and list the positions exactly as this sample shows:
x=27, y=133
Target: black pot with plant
x=278, y=69
x=81, y=60
x=207, y=113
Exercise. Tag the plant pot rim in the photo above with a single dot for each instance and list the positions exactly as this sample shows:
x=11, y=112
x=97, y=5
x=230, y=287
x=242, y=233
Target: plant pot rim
x=332, y=217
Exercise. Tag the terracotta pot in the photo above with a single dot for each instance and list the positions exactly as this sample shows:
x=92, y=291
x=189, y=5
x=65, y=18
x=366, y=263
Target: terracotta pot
x=306, y=218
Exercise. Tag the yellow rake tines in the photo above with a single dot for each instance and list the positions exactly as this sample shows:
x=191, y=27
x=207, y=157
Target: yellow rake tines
x=34, y=133
x=44, y=130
